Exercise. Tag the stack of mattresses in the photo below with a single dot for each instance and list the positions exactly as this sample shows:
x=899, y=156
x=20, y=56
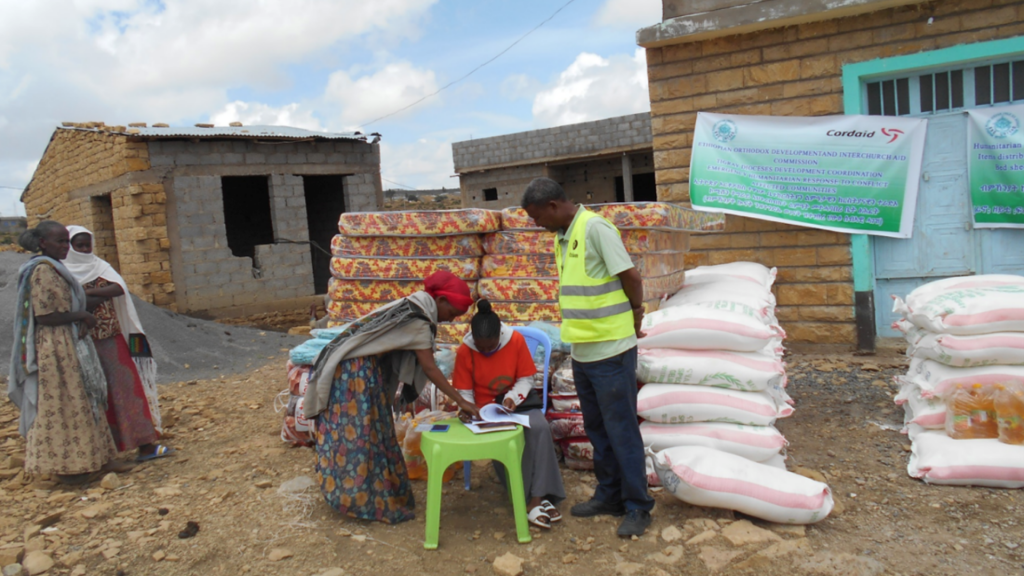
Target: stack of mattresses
x=382, y=256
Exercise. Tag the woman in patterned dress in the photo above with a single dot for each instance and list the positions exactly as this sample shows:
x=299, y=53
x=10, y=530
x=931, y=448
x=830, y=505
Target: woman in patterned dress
x=351, y=391
x=56, y=379
x=132, y=409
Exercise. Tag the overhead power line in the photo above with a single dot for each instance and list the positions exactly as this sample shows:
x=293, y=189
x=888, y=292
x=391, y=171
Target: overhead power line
x=397, y=183
x=471, y=72
x=14, y=187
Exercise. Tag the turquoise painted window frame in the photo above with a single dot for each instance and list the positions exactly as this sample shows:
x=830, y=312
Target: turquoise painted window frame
x=854, y=77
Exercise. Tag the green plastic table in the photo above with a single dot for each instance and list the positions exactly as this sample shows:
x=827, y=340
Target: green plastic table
x=442, y=449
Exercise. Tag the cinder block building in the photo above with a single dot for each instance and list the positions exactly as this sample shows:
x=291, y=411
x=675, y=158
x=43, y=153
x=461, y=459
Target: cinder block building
x=596, y=162
x=931, y=59
x=224, y=220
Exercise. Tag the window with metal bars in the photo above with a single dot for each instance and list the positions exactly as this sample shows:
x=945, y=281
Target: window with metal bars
x=936, y=92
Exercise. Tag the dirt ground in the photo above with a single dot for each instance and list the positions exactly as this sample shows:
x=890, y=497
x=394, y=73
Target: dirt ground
x=231, y=464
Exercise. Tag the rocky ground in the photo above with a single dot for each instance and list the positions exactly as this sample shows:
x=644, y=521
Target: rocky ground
x=244, y=488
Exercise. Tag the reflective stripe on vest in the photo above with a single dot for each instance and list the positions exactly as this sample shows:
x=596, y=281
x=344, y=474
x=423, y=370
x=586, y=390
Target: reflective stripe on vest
x=593, y=309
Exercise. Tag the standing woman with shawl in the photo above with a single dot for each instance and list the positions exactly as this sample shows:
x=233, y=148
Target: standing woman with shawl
x=56, y=379
x=132, y=409
x=353, y=386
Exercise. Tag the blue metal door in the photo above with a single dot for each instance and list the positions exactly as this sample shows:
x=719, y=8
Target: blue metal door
x=944, y=243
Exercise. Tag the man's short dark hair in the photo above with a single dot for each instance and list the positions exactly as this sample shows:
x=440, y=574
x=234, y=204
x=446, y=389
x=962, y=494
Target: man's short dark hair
x=541, y=191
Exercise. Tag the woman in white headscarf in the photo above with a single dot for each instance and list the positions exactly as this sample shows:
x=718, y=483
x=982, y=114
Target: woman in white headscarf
x=132, y=409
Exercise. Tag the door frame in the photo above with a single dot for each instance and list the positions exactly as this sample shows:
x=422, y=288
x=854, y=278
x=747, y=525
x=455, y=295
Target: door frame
x=855, y=76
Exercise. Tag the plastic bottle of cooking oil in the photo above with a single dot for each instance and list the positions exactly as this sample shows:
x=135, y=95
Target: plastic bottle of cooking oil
x=970, y=413
x=1009, y=405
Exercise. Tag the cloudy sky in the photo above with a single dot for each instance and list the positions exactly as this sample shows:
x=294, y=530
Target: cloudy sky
x=317, y=64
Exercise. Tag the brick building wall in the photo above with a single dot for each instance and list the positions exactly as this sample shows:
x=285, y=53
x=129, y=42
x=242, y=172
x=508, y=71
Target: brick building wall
x=156, y=208
x=508, y=162
x=795, y=71
x=129, y=220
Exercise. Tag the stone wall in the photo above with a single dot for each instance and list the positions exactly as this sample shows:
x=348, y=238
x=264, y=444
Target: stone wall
x=795, y=71
x=622, y=133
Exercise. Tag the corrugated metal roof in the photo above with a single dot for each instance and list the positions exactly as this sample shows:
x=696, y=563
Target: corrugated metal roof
x=274, y=132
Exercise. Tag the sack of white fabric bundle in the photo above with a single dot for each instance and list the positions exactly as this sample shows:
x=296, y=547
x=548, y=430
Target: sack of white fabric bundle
x=704, y=476
x=701, y=328
x=967, y=305
x=756, y=443
x=735, y=273
x=748, y=371
x=743, y=287
x=683, y=403
x=937, y=380
x=1006, y=348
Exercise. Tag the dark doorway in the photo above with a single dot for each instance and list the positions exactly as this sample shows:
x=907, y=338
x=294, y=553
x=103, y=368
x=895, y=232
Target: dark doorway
x=325, y=203
x=644, y=189
x=247, y=213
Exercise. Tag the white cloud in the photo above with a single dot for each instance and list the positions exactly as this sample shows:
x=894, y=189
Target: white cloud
x=593, y=87
x=169, y=61
x=367, y=97
x=425, y=163
x=629, y=13
x=255, y=113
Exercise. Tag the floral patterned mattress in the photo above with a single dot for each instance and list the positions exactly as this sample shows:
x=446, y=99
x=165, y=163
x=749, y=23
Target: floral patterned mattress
x=408, y=246
x=402, y=268
x=420, y=223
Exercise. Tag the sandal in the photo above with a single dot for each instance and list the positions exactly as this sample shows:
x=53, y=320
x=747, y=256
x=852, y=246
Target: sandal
x=553, y=514
x=160, y=452
x=539, y=517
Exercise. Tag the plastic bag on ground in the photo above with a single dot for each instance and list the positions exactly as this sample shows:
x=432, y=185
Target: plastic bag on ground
x=757, y=443
x=682, y=403
x=938, y=459
x=707, y=477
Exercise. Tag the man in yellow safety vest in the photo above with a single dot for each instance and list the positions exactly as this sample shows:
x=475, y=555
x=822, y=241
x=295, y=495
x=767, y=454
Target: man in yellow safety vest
x=601, y=298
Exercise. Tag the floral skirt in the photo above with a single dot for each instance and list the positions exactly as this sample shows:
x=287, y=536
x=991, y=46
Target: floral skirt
x=359, y=462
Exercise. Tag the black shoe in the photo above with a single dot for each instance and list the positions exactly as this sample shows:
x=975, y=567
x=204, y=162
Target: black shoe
x=597, y=508
x=635, y=523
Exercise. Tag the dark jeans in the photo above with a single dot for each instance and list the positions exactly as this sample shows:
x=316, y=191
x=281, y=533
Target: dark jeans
x=607, y=392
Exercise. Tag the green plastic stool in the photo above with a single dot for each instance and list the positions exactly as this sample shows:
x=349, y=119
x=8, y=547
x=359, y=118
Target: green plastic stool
x=442, y=449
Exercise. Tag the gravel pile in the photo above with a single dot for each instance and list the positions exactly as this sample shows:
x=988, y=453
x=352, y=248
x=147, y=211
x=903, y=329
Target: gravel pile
x=185, y=348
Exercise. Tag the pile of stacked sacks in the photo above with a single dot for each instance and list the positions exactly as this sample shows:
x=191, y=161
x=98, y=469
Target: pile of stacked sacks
x=963, y=395
x=713, y=385
x=380, y=257
x=520, y=278
x=296, y=428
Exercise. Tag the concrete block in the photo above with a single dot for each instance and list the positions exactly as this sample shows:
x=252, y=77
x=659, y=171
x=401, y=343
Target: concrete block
x=255, y=158
x=161, y=160
x=211, y=159
x=277, y=158
x=233, y=158
x=187, y=159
